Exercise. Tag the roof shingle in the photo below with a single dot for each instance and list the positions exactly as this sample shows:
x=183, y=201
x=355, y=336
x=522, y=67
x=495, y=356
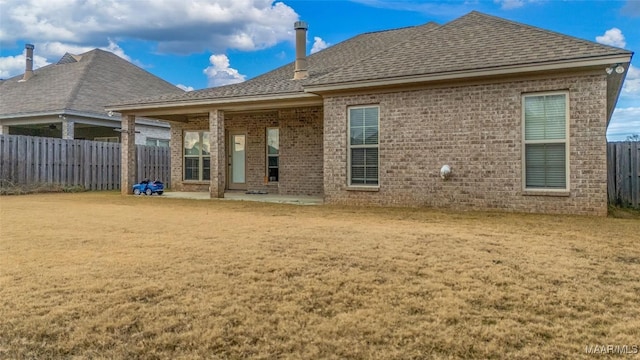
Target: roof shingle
x=84, y=83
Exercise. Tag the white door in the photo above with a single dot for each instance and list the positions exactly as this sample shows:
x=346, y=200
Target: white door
x=237, y=161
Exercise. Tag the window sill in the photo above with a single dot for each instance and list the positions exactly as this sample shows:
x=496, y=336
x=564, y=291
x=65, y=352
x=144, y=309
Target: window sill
x=542, y=192
x=363, y=188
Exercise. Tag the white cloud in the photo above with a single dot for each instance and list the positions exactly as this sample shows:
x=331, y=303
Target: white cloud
x=174, y=25
x=625, y=122
x=510, y=4
x=514, y=4
x=185, y=87
x=613, y=37
x=632, y=82
x=13, y=65
x=219, y=73
x=318, y=44
x=50, y=52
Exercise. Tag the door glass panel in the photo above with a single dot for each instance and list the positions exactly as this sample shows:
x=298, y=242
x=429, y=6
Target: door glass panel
x=238, y=159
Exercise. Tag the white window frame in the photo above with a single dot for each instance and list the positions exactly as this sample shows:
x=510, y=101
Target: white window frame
x=200, y=157
x=156, y=141
x=564, y=141
x=350, y=147
x=108, y=139
x=267, y=167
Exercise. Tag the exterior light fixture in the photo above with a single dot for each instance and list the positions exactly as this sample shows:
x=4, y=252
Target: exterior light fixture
x=618, y=68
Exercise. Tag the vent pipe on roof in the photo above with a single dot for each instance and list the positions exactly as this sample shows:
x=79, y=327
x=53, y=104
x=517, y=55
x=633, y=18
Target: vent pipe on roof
x=28, y=71
x=301, y=50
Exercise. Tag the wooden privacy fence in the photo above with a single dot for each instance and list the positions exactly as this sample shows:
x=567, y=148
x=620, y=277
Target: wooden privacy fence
x=623, y=177
x=95, y=165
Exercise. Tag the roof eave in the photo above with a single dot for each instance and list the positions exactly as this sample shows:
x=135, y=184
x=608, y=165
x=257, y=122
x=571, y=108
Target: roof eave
x=469, y=74
x=222, y=103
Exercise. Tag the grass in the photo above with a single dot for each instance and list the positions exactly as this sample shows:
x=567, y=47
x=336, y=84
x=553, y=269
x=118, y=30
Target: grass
x=101, y=276
x=9, y=188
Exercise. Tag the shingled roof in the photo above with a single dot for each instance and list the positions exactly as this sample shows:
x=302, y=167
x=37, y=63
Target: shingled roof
x=471, y=43
x=82, y=83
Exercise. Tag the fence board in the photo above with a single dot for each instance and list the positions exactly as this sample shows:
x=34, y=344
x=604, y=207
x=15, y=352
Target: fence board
x=623, y=175
x=95, y=165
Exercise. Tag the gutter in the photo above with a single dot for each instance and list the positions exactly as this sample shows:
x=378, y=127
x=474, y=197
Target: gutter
x=468, y=74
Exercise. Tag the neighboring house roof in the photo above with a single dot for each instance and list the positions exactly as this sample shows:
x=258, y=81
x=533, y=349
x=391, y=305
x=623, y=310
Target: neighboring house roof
x=471, y=45
x=82, y=83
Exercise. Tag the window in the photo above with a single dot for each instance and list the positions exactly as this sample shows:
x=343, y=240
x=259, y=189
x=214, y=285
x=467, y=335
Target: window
x=273, y=154
x=197, y=158
x=363, y=146
x=157, y=142
x=545, y=141
x=112, y=139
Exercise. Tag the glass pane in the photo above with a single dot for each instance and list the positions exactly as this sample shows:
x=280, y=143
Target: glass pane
x=357, y=175
x=191, y=165
x=357, y=157
x=273, y=141
x=191, y=143
x=364, y=166
x=238, y=159
x=273, y=161
x=555, y=111
x=556, y=166
x=371, y=116
x=371, y=175
x=545, y=117
x=371, y=157
x=163, y=143
x=357, y=136
x=206, y=148
x=545, y=166
x=151, y=142
x=206, y=168
x=371, y=135
x=356, y=117
x=273, y=174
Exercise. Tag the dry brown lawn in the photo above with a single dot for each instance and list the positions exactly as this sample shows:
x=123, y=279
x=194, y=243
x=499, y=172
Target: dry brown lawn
x=101, y=276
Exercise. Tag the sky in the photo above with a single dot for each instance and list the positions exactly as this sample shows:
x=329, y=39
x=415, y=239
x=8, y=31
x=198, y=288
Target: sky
x=196, y=44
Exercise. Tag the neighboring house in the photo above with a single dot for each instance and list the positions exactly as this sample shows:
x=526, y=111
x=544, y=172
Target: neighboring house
x=517, y=113
x=67, y=99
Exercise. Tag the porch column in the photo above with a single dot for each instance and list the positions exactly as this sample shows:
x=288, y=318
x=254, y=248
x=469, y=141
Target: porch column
x=128, y=157
x=68, y=130
x=4, y=130
x=218, y=154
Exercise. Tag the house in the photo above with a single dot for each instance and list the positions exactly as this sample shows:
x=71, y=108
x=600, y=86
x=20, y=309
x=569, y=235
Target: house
x=67, y=99
x=516, y=113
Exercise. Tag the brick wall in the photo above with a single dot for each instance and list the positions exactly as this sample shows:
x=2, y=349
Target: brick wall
x=477, y=130
x=300, y=150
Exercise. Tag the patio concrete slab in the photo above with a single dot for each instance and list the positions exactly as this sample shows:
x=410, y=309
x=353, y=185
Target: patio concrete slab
x=243, y=196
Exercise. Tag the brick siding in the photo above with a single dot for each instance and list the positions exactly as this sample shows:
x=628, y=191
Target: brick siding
x=477, y=130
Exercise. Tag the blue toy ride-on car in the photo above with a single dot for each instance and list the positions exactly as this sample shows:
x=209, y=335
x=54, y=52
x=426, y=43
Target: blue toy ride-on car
x=148, y=187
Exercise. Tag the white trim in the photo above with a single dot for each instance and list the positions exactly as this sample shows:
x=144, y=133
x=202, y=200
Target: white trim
x=200, y=156
x=267, y=155
x=293, y=99
x=471, y=73
x=565, y=141
x=349, y=147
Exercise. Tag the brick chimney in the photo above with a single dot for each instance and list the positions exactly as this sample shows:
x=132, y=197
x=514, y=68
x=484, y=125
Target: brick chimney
x=301, y=50
x=28, y=71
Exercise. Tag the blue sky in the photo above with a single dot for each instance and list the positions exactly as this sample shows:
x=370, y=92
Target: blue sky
x=201, y=43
